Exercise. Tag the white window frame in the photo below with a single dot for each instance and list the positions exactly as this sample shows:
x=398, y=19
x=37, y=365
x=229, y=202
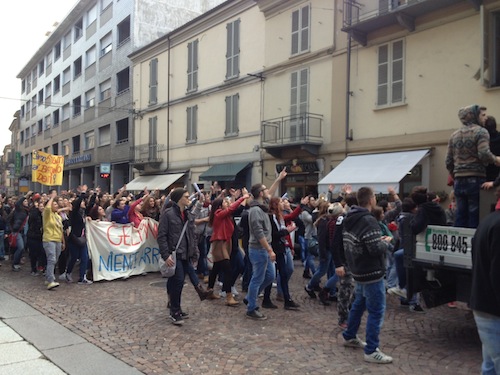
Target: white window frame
x=90, y=98
x=89, y=140
x=90, y=56
x=391, y=74
x=299, y=103
x=105, y=135
x=153, y=81
x=106, y=44
x=91, y=15
x=301, y=30
x=105, y=90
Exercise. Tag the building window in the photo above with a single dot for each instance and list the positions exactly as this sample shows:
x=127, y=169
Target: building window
x=23, y=86
x=390, y=86
x=33, y=131
x=48, y=90
x=106, y=44
x=57, y=51
x=153, y=81
x=48, y=59
x=123, y=81
x=22, y=111
x=300, y=30
x=104, y=135
x=65, y=112
x=55, y=149
x=55, y=117
x=105, y=90
x=192, y=122
x=33, y=104
x=57, y=84
x=67, y=41
x=89, y=140
x=65, y=147
x=27, y=131
x=105, y=4
x=48, y=122
x=91, y=15
x=28, y=83
x=233, y=49
x=40, y=97
x=41, y=68
x=66, y=76
x=232, y=103
x=40, y=126
x=21, y=136
x=192, y=70
x=90, y=56
x=77, y=106
x=122, y=131
x=123, y=31
x=495, y=49
x=77, y=67
x=78, y=29
x=76, y=144
x=90, y=98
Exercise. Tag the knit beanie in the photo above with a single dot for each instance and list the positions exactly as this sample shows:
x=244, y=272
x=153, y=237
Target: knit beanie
x=177, y=194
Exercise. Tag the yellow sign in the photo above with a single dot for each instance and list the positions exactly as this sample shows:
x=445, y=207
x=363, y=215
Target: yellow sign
x=47, y=168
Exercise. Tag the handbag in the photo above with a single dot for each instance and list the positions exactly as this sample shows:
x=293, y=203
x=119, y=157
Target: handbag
x=169, y=271
x=313, y=246
x=12, y=238
x=210, y=258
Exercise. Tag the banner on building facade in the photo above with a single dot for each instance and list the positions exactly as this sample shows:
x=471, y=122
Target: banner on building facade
x=121, y=250
x=47, y=169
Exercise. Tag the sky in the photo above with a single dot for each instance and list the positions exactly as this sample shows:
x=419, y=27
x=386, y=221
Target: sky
x=23, y=25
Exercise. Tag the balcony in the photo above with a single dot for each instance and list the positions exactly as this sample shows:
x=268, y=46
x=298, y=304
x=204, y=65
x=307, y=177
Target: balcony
x=303, y=131
x=364, y=16
x=146, y=155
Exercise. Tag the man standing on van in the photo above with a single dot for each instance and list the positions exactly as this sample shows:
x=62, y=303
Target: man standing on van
x=466, y=160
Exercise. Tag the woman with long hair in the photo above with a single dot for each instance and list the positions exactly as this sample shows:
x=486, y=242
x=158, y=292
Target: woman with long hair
x=223, y=227
x=150, y=208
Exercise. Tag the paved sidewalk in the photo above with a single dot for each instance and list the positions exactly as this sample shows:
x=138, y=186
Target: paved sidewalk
x=31, y=343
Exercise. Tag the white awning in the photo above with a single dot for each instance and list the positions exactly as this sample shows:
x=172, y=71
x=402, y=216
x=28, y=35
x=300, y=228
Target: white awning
x=378, y=171
x=153, y=182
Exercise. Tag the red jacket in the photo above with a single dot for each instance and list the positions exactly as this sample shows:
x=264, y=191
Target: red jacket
x=288, y=220
x=223, y=225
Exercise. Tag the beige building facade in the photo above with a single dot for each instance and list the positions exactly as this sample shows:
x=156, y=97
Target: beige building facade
x=251, y=87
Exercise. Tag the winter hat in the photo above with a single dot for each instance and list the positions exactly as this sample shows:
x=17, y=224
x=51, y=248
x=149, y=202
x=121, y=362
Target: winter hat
x=177, y=194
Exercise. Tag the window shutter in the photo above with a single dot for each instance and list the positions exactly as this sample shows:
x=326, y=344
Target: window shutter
x=188, y=124
x=229, y=50
x=383, y=75
x=194, y=122
x=195, y=64
x=295, y=32
x=304, y=36
x=236, y=100
x=236, y=48
x=294, y=94
x=303, y=93
x=228, y=115
x=397, y=72
x=153, y=81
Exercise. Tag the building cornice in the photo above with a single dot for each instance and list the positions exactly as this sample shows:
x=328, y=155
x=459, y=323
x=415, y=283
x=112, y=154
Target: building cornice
x=271, y=8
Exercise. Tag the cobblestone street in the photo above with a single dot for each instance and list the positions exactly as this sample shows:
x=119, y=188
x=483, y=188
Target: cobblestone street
x=128, y=319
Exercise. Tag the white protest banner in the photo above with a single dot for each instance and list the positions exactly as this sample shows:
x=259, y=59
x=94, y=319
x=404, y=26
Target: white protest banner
x=121, y=250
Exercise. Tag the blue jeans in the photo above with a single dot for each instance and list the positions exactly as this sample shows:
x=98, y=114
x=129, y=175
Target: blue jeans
x=237, y=264
x=202, y=267
x=401, y=274
x=370, y=297
x=309, y=259
x=2, y=244
x=78, y=252
x=488, y=327
x=175, y=285
x=467, y=197
x=391, y=274
x=289, y=267
x=324, y=265
x=263, y=273
x=19, y=249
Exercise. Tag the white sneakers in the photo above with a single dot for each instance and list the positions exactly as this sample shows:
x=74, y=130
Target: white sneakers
x=355, y=343
x=378, y=357
x=397, y=291
x=52, y=285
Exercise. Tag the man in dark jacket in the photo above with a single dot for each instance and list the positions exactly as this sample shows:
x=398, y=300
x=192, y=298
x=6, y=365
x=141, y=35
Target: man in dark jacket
x=365, y=250
x=485, y=293
x=172, y=238
x=19, y=219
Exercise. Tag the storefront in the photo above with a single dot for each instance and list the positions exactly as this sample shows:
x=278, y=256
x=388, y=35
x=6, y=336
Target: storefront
x=301, y=179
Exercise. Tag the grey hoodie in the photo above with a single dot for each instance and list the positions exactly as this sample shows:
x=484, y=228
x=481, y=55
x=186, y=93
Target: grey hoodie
x=259, y=224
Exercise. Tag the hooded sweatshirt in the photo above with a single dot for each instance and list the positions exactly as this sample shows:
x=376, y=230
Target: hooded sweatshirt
x=469, y=147
x=364, y=249
x=259, y=224
x=428, y=213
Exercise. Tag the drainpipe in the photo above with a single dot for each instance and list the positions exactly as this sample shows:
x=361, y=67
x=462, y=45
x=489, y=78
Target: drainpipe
x=168, y=105
x=348, y=136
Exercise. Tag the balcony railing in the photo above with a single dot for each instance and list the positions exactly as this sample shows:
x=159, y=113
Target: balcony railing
x=361, y=17
x=292, y=131
x=146, y=154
